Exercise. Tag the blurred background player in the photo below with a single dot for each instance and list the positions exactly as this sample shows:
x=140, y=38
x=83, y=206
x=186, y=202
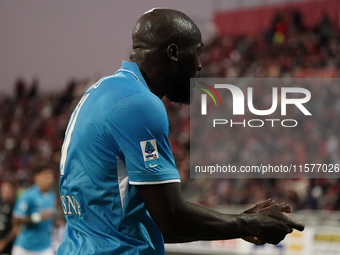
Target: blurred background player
x=33, y=212
x=7, y=232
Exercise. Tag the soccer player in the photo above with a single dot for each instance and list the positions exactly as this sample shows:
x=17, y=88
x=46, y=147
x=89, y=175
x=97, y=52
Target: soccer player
x=33, y=212
x=7, y=232
x=119, y=185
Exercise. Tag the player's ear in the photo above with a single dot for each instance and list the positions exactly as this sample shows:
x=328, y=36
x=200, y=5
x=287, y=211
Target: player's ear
x=172, y=52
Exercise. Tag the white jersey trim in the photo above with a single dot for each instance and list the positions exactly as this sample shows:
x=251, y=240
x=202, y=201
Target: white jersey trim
x=122, y=179
x=155, y=182
x=124, y=70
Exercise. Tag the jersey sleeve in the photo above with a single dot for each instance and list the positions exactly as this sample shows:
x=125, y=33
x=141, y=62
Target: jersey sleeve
x=22, y=207
x=137, y=128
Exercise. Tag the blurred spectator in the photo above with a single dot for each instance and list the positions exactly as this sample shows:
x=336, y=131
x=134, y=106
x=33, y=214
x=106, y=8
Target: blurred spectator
x=324, y=30
x=297, y=24
x=7, y=232
x=33, y=92
x=20, y=88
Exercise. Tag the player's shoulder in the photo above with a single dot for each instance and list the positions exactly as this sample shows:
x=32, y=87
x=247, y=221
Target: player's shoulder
x=27, y=194
x=134, y=93
x=142, y=110
x=115, y=88
x=127, y=92
x=146, y=99
x=141, y=105
x=32, y=191
x=125, y=80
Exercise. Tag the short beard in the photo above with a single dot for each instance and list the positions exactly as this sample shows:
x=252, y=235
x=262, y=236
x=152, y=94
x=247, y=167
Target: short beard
x=180, y=90
x=180, y=93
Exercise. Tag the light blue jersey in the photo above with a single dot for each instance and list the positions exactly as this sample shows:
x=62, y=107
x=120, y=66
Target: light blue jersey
x=34, y=236
x=117, y=137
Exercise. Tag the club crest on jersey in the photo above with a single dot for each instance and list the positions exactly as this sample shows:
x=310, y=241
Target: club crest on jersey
x=150, y=153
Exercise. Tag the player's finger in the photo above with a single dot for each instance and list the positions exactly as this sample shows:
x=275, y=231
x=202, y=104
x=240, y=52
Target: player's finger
x=254, y=240
x=260, y=242
x=265, y=204
x=273, y=238
x=284, y=207
x=296, y=225
x=260, y=206
x=251, y=239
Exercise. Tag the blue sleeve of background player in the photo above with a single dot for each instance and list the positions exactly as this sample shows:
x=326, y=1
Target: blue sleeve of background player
x=137, y=128
x=22, y=206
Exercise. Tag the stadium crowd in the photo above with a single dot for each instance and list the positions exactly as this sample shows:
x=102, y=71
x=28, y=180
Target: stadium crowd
x=32, y=123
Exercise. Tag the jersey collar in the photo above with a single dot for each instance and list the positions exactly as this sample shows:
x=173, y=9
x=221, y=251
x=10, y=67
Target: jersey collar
x=131, y=67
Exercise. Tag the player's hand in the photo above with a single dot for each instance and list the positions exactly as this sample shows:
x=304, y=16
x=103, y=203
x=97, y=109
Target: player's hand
x=274, y=225
x=253, y=239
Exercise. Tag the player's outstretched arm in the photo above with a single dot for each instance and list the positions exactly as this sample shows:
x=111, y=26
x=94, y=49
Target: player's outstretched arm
x=33, y=218
x=182, y=221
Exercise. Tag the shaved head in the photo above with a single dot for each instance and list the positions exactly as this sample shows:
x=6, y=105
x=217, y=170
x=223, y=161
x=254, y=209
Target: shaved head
x=159, y=27
x=165, y=45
